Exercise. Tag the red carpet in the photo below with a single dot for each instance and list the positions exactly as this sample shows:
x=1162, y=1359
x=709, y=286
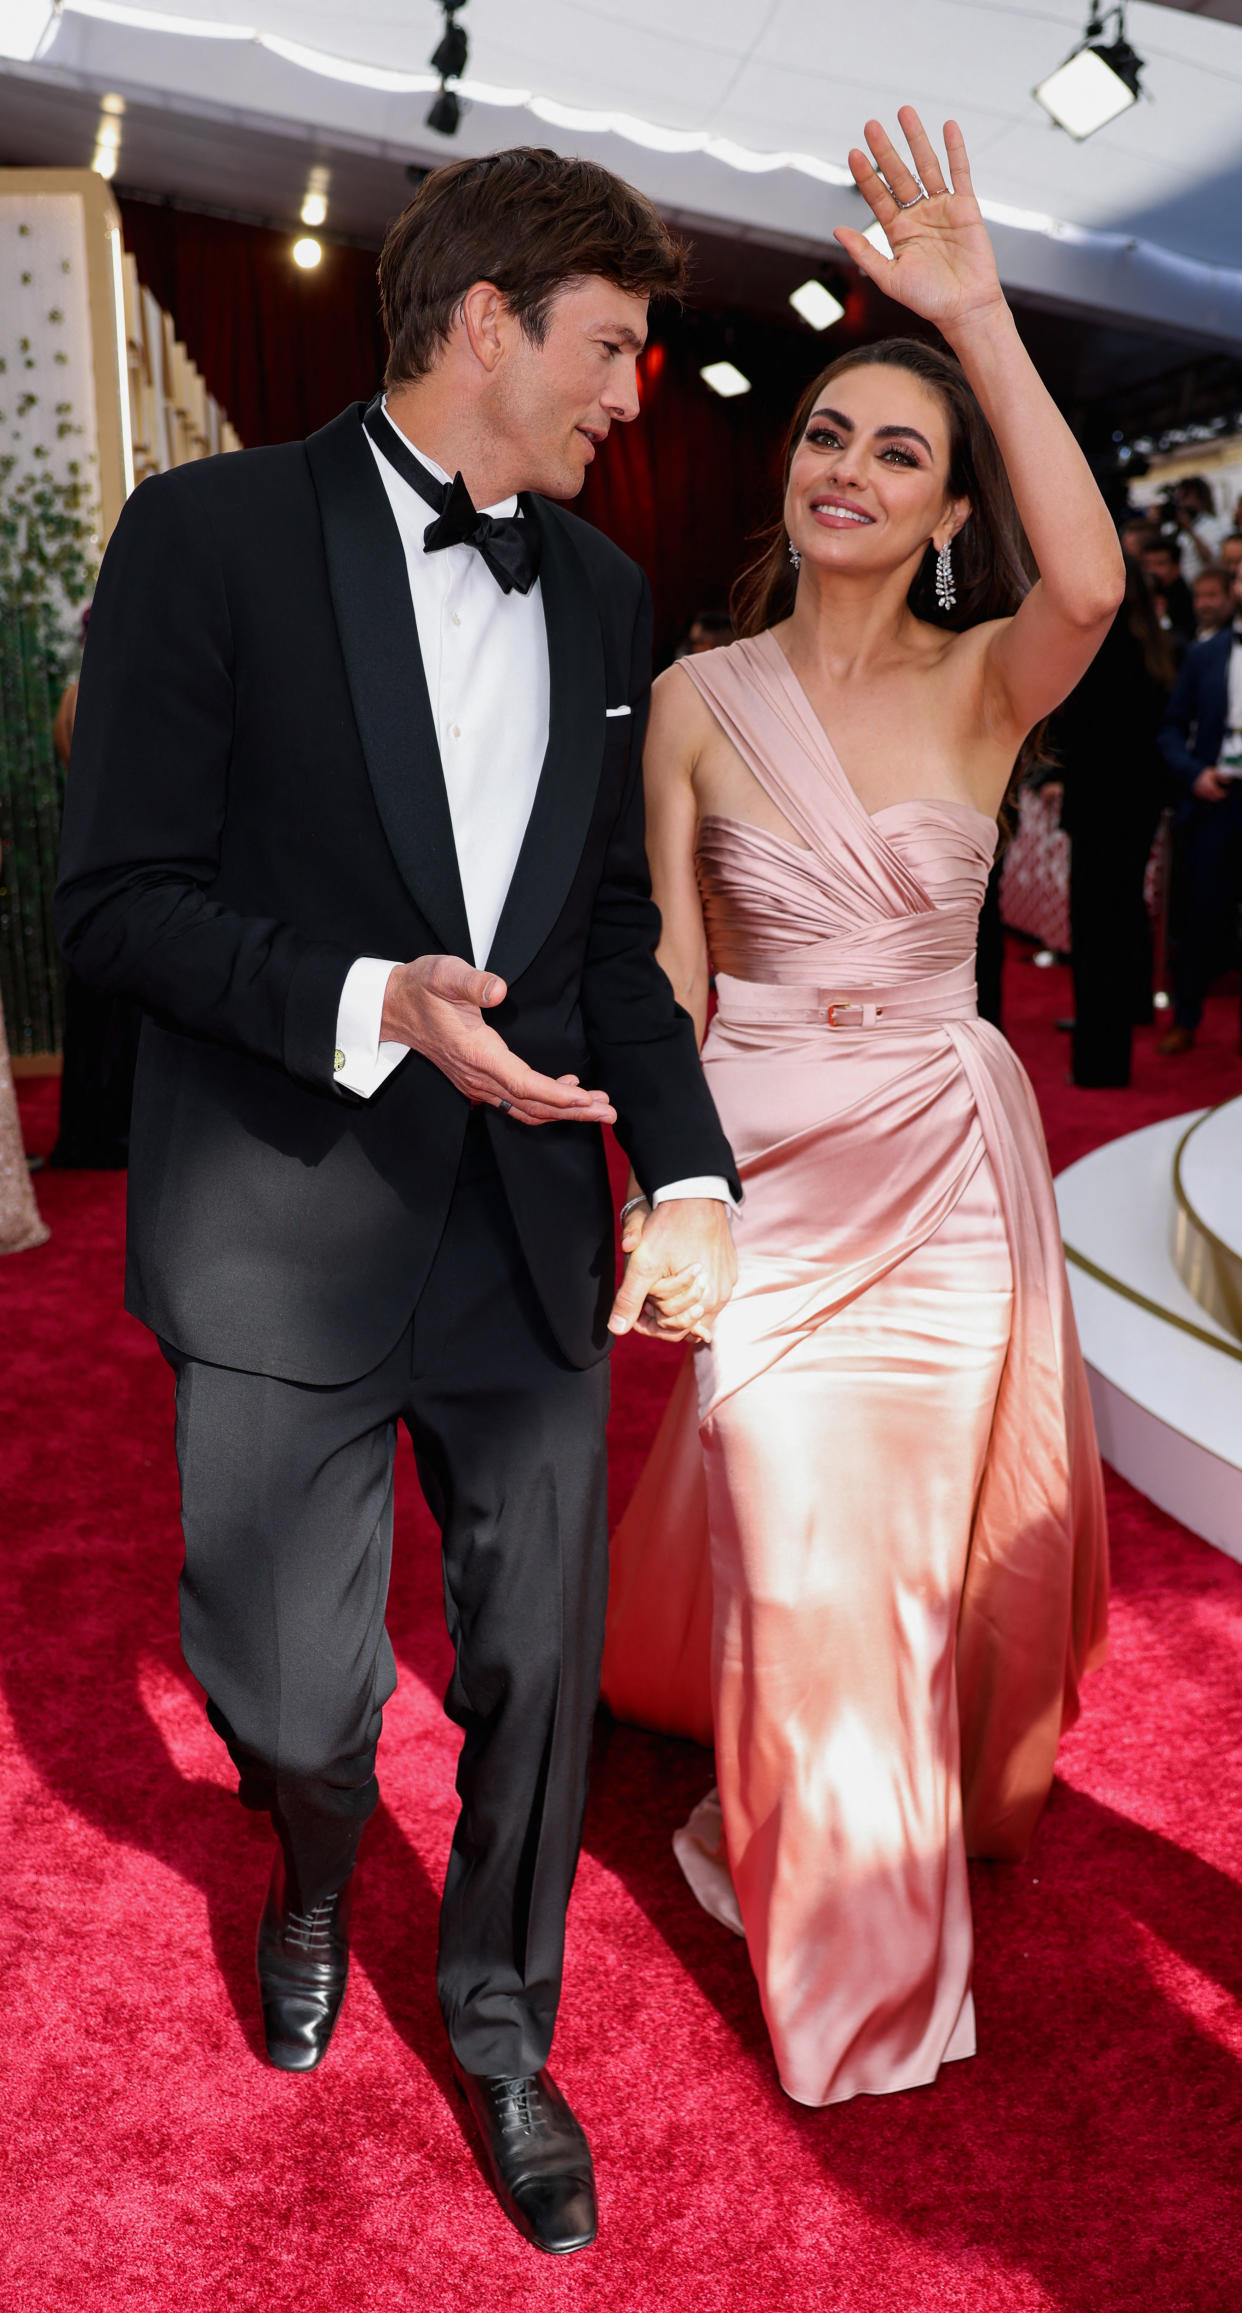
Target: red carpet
x=1090, y=2158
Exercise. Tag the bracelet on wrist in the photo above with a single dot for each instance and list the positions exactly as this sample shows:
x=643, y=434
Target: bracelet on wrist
x=630, y=1206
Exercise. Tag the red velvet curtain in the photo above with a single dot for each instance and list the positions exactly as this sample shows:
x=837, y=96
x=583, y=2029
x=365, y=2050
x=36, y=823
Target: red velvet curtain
x=685, y=486
x=283, y=351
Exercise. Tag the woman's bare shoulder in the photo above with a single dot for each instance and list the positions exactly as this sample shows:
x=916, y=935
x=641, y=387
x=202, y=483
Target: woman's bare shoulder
x=680, y=718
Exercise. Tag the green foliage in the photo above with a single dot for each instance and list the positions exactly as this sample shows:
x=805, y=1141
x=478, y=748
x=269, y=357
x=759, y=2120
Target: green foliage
x=48, y=557
x=31, y=799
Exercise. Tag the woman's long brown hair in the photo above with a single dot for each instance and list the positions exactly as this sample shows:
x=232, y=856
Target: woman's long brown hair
x=993, y=567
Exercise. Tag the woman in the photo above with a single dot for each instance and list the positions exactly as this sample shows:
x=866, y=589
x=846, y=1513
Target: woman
x=1114, y=787
x=898, y=1464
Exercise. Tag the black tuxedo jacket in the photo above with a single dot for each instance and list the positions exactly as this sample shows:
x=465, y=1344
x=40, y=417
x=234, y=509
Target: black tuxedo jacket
x=255, y=799
x=1193, y=731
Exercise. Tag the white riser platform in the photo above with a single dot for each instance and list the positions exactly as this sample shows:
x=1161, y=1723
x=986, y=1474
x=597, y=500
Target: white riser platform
x=1167, y=1388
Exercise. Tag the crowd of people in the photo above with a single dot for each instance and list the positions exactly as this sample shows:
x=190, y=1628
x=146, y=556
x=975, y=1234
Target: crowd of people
x=1155, y=726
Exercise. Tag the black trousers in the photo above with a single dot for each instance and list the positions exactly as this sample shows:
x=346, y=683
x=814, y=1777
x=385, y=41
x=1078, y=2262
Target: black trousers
x=1206, y=897
x=1111, y=945
x=287, y=1512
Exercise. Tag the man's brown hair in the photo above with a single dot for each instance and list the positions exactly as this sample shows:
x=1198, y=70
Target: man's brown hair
x=527, y=220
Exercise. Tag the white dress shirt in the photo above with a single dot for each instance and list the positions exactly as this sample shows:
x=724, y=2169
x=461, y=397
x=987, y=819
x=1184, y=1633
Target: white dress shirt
x=485, y=657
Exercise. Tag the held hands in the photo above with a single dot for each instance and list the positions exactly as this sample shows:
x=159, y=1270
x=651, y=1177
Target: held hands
x=942, y=265
x=436, y=1006
x=680, y=1270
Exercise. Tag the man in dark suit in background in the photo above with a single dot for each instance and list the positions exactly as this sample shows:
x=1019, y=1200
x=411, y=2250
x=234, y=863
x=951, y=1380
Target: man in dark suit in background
x=355, y=811
x=1201, y=741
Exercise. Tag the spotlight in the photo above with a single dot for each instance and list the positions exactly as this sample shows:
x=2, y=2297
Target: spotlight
x=445, y=114
x=1098, y=80
x=817, y=305
x=307, y=253
x=449, y=60
x=725, y=379
x=314, y=210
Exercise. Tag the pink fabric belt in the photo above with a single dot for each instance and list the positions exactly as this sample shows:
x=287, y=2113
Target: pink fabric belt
x=946, y=996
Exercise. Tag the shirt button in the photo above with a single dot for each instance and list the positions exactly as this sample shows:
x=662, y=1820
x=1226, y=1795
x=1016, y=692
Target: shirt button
x=457, y=730
x=456, y=620
x=338, y=1061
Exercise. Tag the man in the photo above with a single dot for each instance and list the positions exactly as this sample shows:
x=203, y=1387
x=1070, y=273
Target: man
x=1161, y=559
x=1212, y=590
x=1201, y=741
x=1193, y=508
x=355, y=811
x=1230, y=557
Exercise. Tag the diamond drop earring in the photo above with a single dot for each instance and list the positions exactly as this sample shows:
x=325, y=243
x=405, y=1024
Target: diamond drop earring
x=794, y=555
x=946, y=592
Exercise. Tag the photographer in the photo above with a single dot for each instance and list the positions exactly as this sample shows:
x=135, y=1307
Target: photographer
x=1161, y=559
x=1190, y=507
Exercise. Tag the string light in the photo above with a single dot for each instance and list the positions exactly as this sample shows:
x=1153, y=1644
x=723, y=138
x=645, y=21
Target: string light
x=314, y=210
x=307, y=253
x=108, y=136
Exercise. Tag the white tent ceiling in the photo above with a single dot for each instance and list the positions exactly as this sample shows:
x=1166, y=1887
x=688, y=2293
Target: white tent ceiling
x=741, y=112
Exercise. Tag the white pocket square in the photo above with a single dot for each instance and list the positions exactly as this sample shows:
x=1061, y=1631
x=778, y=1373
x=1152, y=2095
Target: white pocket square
x=616, y=710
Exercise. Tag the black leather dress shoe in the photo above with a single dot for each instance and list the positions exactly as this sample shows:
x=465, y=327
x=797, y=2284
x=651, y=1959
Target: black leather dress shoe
x=303, y=1961
x=537, y=2156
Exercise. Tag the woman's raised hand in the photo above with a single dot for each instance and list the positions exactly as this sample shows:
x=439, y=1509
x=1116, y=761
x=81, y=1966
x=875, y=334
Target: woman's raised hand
x=942, y=265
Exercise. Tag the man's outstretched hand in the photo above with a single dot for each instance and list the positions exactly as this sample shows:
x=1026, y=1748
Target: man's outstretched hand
x=680, y=1270
x=436, y=1006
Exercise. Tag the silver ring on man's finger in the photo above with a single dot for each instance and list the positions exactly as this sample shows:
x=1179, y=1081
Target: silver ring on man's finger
x=504, y=1106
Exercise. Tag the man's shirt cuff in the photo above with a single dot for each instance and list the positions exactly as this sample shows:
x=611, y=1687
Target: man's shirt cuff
x=702, y=1185
x=361, y=1063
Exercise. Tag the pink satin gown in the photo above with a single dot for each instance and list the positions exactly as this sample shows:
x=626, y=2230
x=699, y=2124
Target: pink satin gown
x=868, y=1554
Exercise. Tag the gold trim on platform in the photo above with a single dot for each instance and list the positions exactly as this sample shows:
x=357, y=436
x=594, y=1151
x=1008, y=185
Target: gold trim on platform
x=1153, y=1308
x=1207, y=1266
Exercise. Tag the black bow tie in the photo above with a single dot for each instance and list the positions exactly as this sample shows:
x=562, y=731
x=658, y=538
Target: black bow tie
x=508, y=544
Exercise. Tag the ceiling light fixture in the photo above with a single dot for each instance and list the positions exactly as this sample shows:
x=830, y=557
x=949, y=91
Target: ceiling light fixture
x=1098, y=80
x=27, y=28
x=449, y=60
x=307, y=253
x=725, y=379
x=816, y=305
x=314, y=209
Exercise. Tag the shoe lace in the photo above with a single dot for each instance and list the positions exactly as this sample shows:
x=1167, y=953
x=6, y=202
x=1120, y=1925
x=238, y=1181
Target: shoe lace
x=518, y=2101
x=311, y=1931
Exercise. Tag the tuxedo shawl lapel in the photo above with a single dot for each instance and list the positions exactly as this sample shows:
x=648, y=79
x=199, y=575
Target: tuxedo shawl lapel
x=569, y=781
x=370, y=591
